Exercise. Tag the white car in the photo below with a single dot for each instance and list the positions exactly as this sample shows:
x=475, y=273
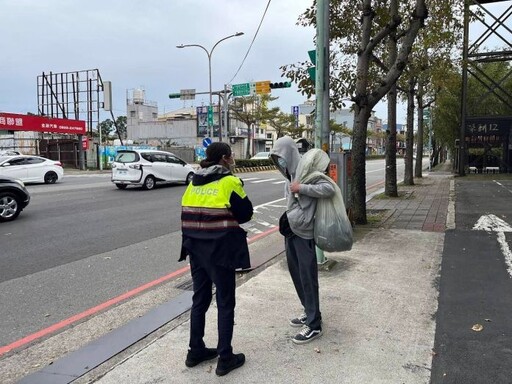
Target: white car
x=31, y=169
x=147, y=167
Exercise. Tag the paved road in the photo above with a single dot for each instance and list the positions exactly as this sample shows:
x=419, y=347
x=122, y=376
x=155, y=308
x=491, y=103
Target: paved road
x=475, y=287
x=82, y=242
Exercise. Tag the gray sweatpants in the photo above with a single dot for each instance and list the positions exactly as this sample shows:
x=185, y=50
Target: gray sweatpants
x=302, y=264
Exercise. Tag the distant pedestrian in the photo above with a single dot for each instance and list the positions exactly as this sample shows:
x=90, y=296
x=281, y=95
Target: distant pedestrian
x=299, y=237
x=213, y=206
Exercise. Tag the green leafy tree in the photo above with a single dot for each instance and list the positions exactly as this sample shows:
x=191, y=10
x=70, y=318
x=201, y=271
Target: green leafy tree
x=284, y=124
x=120, y=126
x=254, y=110
x=106, y=127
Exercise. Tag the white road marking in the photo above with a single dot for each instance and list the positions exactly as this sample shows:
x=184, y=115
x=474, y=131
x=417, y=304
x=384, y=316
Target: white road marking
x=492, y=223
x=501, y=185
x=262, y=181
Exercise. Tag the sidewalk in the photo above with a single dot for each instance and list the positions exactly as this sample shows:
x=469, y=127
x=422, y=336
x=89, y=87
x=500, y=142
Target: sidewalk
x=378, y=305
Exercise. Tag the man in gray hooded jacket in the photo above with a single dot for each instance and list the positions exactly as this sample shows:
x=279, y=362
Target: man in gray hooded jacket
x=300, y=245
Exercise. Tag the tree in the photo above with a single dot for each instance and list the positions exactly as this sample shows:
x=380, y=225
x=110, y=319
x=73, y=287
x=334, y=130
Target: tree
x=120, y=125
x=445, y=114
x=358, y=31
x=285, y=124
x=106, y=127
x=253, y=110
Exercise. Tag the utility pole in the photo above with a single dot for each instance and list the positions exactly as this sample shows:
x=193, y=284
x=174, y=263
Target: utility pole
x=322, y=87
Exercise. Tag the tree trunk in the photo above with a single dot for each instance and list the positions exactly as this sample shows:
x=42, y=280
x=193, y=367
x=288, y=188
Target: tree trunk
x=409, y=138
x=391, y=188
x=358, y=191
x=419, y=140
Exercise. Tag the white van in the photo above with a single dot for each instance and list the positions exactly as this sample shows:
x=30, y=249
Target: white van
x=147, y=167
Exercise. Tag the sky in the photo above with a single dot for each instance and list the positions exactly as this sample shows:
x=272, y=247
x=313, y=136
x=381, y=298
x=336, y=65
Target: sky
x=133, y=45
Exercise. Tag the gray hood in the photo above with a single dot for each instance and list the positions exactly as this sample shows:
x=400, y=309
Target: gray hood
x=207, y=175
x=286, y=148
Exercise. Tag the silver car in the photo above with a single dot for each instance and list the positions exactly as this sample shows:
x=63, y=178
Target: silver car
x=145, y=168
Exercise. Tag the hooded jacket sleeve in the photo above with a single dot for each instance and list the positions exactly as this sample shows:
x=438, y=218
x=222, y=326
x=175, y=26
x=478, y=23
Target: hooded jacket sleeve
x=320, y=189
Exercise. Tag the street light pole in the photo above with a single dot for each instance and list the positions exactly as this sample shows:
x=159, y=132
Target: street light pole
x=209, y=54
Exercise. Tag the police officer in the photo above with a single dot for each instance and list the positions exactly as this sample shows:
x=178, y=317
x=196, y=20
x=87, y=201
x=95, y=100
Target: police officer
x=213, y=206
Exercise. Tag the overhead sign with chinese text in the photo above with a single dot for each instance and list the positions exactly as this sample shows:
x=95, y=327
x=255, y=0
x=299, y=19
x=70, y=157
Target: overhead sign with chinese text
x=243, y=89
x=262, y=87
x=16, y=122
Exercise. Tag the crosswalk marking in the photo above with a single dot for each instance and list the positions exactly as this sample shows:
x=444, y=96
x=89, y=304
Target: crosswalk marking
x=261, y=181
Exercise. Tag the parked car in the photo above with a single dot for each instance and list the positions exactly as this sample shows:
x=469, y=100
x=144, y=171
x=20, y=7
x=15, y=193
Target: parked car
x=147, y=167
x=261, y=156
x=31, y=169
x=14, y=197
x=9, y=152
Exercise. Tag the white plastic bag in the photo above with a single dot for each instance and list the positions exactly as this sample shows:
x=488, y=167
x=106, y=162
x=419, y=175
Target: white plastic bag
x=333, y=230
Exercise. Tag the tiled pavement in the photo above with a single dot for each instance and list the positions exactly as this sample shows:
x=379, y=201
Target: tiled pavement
x=423, y=206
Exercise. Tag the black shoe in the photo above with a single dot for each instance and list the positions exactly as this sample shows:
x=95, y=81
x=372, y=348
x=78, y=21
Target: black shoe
x=299, y=321
x=224, y=366
x=306, y=335
x=195, y=358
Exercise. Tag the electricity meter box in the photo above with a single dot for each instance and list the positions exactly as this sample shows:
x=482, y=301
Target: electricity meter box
x=340, y=170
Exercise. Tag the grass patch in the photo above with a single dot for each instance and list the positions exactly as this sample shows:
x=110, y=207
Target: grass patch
x=375, y=217
x=382, y=196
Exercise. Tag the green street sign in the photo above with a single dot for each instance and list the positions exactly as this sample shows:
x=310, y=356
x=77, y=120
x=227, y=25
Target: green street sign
x=243, y=89
x=210, y=115
x=312, y=56
x=312, y=70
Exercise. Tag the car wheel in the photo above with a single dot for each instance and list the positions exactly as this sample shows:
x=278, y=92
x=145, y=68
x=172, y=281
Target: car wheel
x=149, y=183
x=121, y=186
x=50, y=177
x=189, y=178
x=10, y=208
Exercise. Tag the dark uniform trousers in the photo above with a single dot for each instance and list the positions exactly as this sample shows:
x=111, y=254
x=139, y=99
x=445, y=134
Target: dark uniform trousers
x=303, y=267
x=204, y=273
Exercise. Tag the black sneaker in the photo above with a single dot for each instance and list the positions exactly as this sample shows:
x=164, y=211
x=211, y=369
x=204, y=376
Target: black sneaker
x=299, y=321
x=224, y=366
x=306, y=335
x=195, y=358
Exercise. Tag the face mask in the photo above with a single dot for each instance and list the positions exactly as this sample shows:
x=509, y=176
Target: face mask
x=281, y=165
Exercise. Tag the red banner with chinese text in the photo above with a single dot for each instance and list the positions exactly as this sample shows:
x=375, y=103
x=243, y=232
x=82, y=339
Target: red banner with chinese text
x=16, y=122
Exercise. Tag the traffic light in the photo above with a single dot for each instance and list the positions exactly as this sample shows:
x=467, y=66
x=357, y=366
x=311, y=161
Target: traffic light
x=282, y=84
x=174, y=95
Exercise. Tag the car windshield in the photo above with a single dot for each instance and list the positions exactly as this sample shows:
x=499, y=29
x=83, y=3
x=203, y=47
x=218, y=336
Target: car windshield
x=3, y=158
x=126, y=157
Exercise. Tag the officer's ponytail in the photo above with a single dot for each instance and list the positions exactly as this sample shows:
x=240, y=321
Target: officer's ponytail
x=214, y=154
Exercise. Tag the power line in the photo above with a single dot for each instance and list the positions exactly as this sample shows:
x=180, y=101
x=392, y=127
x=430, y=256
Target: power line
x=252, y=42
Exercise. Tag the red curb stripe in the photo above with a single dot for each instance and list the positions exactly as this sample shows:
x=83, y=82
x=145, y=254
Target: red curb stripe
x=91, y=311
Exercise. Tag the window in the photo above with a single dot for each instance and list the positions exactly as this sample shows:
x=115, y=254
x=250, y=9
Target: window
x=173, y=159
x=17, y=161
x=34, y=160
x=159, y=157
x=127, y=157
x=132, y=113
